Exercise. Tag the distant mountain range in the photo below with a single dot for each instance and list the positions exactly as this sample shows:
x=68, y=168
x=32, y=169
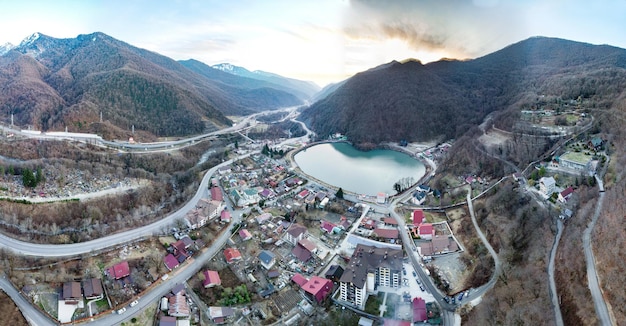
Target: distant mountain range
x=52, y=83
x=442, y=100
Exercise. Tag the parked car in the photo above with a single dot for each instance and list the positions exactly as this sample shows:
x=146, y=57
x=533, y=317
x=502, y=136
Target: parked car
x=414, y=274
x=121, y=311
x=134, y=303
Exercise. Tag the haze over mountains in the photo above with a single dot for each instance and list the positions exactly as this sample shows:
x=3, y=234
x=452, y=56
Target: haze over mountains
x=443, y=99
x=52, y=83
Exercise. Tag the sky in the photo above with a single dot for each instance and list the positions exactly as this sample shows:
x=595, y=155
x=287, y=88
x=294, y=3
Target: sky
x=323, y=41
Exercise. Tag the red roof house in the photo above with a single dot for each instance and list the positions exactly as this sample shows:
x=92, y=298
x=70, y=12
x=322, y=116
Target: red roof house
x=299, y=279
x=387, y=233
x=225, y=216
x=216, y=194
x=566, y=194
x=211, y=279
x=119, y=271
x=170, y=262
x=327, y=226
x=419, y=310
x=245, y=234
x=418, y=217
x=426, y=231
x=232, y=254
x=318, y=288
x=390, y=221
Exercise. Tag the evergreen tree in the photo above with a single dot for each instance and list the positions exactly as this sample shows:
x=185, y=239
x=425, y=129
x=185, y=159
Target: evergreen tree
x=28, y=178
x=339, y=193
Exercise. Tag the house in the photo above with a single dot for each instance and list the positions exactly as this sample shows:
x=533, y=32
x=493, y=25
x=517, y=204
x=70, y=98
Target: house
x=170, y=262
x=119, y=271
x=195, y=219
x=439, y=244
x=423, y=188
x=365, y=322
x=318, y=288
x=216, y=194
x=303, y=194
x=381, y=198
x=225, y=216
x=263, y=218
x=470, y=179
x=92, y=288
x=390, y=221
x=387, y=233
x=220, y=315
x=419, y=310
x=576, y=161
x=517, y=176
x=267, y=193
x=273, y=273
x=418, y=217
x=224, y=170
x=418, y=198
x=328, y=227
x=211, y=279
x=178, y=306
x=566, y=194
x=547, y=185
x=299, y=279
x=167, y=321
x=368, y=223
x=232, y=255
x=334, y=273
x=595, y=143
x=267, y=259
x=308, y=245
x=295, y=233
x=245, y=234
x=72, y=293
x=425, y=231
x=301, y=253
x=368, y=268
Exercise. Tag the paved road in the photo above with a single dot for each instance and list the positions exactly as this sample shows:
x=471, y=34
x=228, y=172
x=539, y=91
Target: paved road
x=68, y=250
x=481, y=290
x=592, y=276
x=554, y=296
x=32, y=315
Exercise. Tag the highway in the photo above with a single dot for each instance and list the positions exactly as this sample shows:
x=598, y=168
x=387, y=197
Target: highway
x=592, y=276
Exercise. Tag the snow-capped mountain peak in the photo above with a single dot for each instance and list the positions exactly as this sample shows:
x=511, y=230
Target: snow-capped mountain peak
x=30, y=39
x=6, y=47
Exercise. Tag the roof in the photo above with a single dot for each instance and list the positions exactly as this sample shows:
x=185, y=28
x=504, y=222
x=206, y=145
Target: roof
x=211, y=278
x=296, y=230
x=567, y=192
x=301, y=253
x=273, y=273
x=299, y=279
x=178, y=288
x=390, y=220
x=178, y=305
x=335, y=271
x=425, y=229
x=318, y=287
x=225, y=215
x=231, y=254
x=218, y=312
x=368, y=258
x=266, y=256
x=387, y=233
x=92, y=287
x=216, y=194
x=307, y=244
x=327, y=226
x=186, y=241
x=167, y=321
x=547, y=181
x=170, y=261
x=365, y=322
x=120, y=270
x=263, y=217
x=418, y=216
x=245, y=234
x=419, y=310
x=71, y=290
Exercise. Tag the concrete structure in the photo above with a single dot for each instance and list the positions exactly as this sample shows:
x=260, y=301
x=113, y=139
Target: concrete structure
x=295, y=233
x=547, y=185
x=576, y=161
x=382, y=265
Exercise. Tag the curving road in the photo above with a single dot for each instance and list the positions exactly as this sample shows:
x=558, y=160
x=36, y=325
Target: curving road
x=32, y=314
x=592, y=276
x=74, y=249
x=553, y=293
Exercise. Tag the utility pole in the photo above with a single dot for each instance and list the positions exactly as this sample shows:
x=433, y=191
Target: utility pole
x=100, y=116
x=133, y=128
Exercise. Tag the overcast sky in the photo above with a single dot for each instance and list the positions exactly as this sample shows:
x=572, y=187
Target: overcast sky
x=319, y=40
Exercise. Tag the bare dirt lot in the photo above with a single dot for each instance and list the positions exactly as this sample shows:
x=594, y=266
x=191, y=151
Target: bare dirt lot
x=11, y=315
